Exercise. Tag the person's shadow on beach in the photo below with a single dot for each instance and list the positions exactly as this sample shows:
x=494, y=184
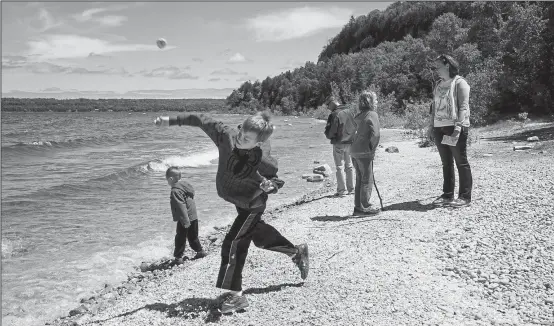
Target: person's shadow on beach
x=192, y=308
x=414, y=205
x=332, y=218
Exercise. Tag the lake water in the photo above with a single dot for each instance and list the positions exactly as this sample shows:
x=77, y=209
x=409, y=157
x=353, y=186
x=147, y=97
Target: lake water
x=84, y=198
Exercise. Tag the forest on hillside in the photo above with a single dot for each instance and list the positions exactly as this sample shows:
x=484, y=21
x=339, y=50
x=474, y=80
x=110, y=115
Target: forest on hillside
x=505, y=50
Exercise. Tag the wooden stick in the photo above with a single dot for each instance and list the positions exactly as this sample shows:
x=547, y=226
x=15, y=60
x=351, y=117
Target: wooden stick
x=333, y=255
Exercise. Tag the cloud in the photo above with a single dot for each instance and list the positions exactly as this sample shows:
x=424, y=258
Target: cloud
x=169, y=72
x=238, y=58
x=227, y=71
x=75, y=46
x=246, y=78
x=214, y=79
x=21, y=62
x=197, y=59
x=89, y=15
x=52, y=89
x=41, y=22
x=35, y=4
x=50, y=68
x=111, y=21
x=225, y=53
x=13, y=61
x=94, y=55
x=48, y=20
x=296, y=23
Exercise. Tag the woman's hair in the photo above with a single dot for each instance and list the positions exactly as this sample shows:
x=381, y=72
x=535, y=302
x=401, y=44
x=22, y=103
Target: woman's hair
x=260, y=123
x=453, y=65
x=367, y=100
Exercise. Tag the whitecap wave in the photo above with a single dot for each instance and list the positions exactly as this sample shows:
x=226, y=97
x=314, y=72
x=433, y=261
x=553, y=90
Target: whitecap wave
x=191, y=161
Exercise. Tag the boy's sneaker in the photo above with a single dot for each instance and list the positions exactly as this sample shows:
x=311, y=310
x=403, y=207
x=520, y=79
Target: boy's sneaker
x=460, y=202
x=179, y=261
x=340, y=193
x=234, y=303
x=200, y=254
x=442, y=200
x=302, y=260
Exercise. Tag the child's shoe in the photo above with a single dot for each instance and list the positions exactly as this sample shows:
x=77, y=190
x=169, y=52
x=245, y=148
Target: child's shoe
x=200, y=254
x=302, y=260
x=234, y=303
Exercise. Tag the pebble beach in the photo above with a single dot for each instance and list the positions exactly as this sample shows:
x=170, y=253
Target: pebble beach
x=413, y=264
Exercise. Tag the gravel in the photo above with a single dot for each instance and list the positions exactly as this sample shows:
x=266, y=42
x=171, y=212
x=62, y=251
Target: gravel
x=487, y=264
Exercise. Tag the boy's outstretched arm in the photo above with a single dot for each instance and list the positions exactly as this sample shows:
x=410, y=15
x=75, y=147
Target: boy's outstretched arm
x=211, y=127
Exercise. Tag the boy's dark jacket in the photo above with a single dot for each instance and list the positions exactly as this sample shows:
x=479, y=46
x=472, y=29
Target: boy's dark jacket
x=341, y=127
x=239, y=172
x=182, y=202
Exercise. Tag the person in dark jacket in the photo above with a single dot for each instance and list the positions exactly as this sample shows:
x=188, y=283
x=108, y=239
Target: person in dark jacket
x=246, y=174
x=363, y=152
x=341, y=130
x=183, y=209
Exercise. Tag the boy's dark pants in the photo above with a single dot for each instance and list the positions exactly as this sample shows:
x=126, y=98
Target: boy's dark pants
x=448, y=155
x=248, y=226
x=190, y=233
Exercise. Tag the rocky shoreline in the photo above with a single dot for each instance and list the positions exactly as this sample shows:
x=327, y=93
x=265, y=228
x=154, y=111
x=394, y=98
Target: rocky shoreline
x=488, y=264
x=153, y=271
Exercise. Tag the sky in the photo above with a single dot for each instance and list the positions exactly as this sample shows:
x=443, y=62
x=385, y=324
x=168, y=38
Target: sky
x=108, y=49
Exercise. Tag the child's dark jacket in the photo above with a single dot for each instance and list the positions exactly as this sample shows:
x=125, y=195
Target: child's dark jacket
x=182, y=202
x=240, y=172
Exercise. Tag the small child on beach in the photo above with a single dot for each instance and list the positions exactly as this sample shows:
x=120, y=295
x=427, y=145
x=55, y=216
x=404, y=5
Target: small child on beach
x=183, y=209
x=246, y=174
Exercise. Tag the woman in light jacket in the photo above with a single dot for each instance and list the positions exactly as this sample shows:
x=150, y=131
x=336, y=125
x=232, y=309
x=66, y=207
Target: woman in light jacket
x=363, y=152
x=450, y=117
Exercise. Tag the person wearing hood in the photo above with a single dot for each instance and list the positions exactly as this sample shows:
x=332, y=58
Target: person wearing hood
x=183, y=209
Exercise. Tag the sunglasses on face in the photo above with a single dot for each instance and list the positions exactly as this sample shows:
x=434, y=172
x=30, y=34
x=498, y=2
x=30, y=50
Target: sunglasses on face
x=443, y=59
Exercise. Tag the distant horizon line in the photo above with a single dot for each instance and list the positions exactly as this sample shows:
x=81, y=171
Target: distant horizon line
x=116, y=98
x=57, y=93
